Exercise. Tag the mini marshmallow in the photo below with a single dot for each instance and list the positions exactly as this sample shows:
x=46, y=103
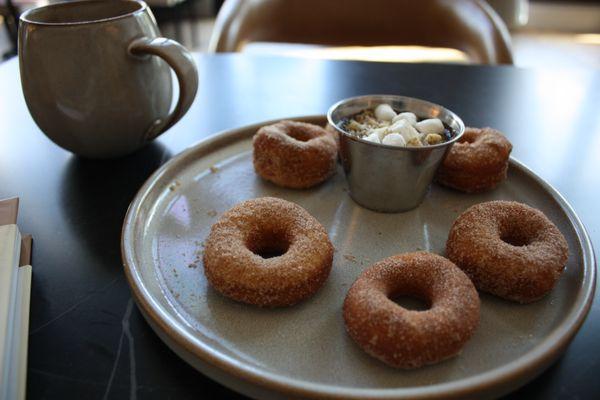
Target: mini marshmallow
x=432, y=125
x=380, y=132
x=394, y=139
x=404, y=128
x=398, y=126
x=384, y=112
x=410, y=134
x=408, y=116
x=373, y=137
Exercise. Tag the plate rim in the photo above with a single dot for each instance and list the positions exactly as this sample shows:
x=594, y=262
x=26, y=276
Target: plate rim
x=529, y=364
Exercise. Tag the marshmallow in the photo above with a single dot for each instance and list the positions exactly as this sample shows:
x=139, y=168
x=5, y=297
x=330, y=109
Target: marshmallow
x=432, y=125
x=410, y=134
x=380, y=132
x=384, y=112
x=408, y=116
x=394, y=139
x=373, y=137
x=398, y=126
x=404, y=128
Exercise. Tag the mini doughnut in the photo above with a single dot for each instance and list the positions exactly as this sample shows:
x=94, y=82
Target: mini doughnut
x=268, y=252
x=294, y=154
x=477, y=162
x=406, y=338
x=508, y=249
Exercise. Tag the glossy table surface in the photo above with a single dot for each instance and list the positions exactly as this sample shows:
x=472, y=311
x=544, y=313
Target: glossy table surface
x=88, y=340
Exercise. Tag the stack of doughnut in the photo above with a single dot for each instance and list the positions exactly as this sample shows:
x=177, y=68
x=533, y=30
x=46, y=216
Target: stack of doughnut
x=294, y=154
x=477, y=162
x=508, y=249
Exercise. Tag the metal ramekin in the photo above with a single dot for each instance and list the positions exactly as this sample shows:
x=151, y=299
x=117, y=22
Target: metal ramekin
x=387, y=178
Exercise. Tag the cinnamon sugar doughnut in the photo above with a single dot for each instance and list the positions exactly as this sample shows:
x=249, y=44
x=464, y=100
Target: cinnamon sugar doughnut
x=294, y=154
x=405, y=338
x=334, y=133
x=267, y=252
x=477, y=162
x=508, y=249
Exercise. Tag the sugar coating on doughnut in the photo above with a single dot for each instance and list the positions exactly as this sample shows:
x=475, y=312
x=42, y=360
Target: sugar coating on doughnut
x=477, y=162
x=405, y=338
x=333, y=132
x=294, y=154
x=508, y=249
x=233, y=264
x=479, y=149
x=469, y=182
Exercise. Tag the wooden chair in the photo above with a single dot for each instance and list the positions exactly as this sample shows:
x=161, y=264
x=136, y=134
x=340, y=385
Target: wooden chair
x=471, y=26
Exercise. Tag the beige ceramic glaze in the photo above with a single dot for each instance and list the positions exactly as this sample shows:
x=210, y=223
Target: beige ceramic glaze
x=303, y=351
x=90, y=78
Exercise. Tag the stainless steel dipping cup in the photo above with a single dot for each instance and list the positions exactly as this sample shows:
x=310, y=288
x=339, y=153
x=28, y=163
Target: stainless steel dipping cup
x=388, y=178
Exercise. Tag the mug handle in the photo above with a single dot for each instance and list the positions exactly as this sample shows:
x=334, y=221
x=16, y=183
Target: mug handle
x=182, y=62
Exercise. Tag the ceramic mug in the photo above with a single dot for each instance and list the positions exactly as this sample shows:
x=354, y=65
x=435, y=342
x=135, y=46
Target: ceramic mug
x=95, y=75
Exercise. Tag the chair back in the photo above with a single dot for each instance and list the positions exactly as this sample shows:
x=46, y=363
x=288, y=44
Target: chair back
x=471, y=26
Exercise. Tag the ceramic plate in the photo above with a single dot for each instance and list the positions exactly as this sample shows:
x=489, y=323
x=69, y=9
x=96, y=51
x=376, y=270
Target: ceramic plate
x=303, y=351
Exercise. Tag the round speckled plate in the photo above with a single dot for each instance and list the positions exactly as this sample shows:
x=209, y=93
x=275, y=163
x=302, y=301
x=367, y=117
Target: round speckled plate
x=303, y=351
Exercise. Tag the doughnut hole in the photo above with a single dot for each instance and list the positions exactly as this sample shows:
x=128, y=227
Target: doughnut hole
x=411, y=303
x=514, y=236
x=468, y=139
x=410, y=298
x=268, y=242
x=298, y=134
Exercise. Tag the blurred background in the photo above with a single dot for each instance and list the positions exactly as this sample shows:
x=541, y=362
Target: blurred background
x=555, y=33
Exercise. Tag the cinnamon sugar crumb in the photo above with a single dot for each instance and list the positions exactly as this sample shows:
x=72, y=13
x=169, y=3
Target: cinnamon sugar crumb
x=350, y=257
x=173, y=186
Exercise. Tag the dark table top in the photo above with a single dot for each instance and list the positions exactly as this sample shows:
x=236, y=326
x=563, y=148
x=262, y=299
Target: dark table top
x=88, y=340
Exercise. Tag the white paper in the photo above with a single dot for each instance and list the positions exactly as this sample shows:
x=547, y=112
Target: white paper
x=10, y=249
x=18, y=364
